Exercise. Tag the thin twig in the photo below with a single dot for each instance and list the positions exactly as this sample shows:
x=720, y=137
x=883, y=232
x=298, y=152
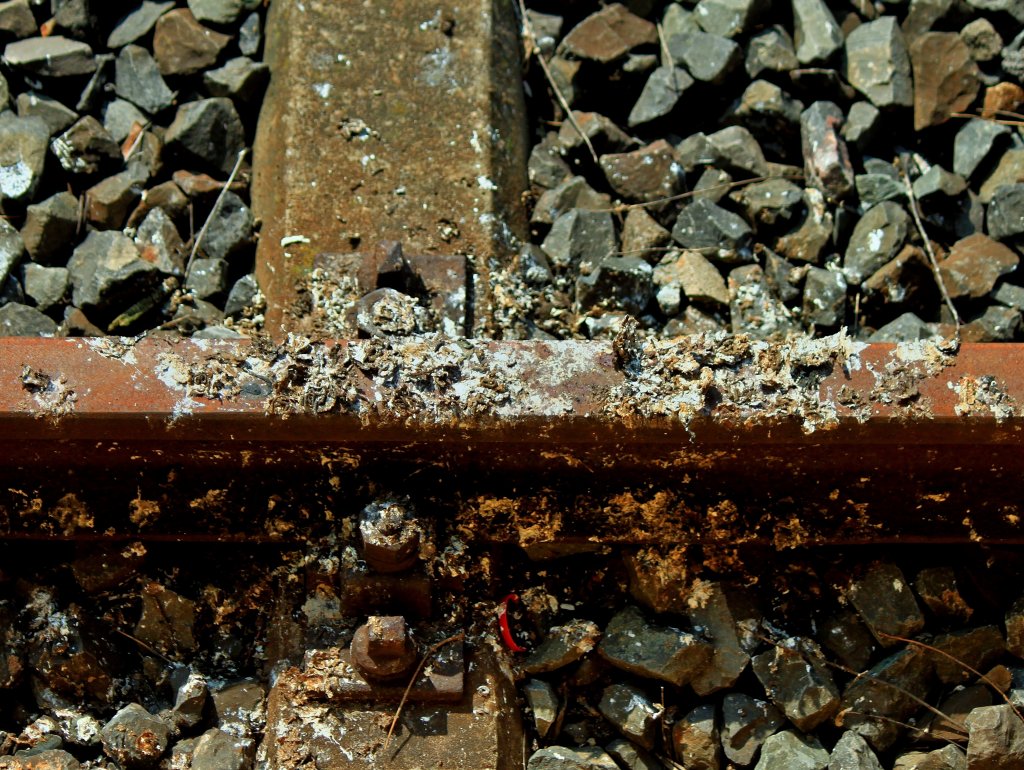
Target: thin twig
x=691, y=193
x=930, y=252
x=898, y=723
x=215, y=209
x=962, y=664
x=146, y=647
x=416, y=675
x=1000, y=121
x=532, y=49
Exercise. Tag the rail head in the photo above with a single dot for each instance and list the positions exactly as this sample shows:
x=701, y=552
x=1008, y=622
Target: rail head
x=705, y=389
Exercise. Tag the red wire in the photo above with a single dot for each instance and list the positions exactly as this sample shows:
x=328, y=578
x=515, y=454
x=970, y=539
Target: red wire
x=506, y=633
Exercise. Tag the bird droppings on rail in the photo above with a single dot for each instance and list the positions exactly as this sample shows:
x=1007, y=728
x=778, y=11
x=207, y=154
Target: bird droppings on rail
x=53, y=397
x=982, y=396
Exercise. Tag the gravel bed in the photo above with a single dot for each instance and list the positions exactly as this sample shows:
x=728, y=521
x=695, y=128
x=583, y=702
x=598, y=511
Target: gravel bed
x=774, y=168
x=120, y=126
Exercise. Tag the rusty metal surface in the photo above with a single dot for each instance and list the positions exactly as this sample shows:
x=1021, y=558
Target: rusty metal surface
x=412, y=133
x=693, y=391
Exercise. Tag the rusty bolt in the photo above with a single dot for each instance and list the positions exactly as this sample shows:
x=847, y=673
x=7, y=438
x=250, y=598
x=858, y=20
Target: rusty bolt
x=391, y=536
x=382, y=648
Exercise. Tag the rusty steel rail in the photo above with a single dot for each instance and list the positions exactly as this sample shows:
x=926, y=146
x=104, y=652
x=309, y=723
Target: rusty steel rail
x=702, y=391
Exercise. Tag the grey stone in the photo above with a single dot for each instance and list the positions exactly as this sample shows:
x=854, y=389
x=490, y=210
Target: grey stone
x=982, y=39
x=746, y=724
x=532, y=265
x=689, y=275
x=656, y=652
x=877, y=63
x=771, y=202
x=737, y=151
x=16, y=19
x=713, y=230
x=546, y=167
x=970, y=648
x=603, y=134
x=925, y=15
x=852, y=752
x=76, y=17
x=709, y=58
x=221, y=12
x=106, y=270
x=1009, y=170
x=207, y=278
x=109, y=201
x=243, y=295
x=632, y=757
x=616, y=283
x=54, y=56
x=753, y=309
x=995, y=738
x=771, y=115
x=138, y=23
x=563, y=645
x=794, y=675
x=975, y=143
x=12, y=247
x=862, y=124
x=5, y=93
x=137, y=79
x=997, y=324
x=562, y=758
x=883, y=599
x=677, y=20
x=710, y=611
x=56, y=116
x=547, y=29
x=23, y=144
x=783, y=277
x=98, y=87
x=893, y=689
x=241, y=79
x=190, y=697
x=17, y=320
x=946, y=78
x=86, y=147
x=730, y=18
x=848, y=639
x=1005, y=216
x=608, y=35
x=159, y=242
x=230, y=228
x=696, y=740
x=207, y=134
x=46, y=286
x=664, y=88
x=826, y=157
x=543, y=702
x=580, y=237
x=1012, y=7
x=135, y=738
x=241, y=707
x=937, y=183
x=183, y=46
x=824, y=302
x=218, y=750
x=975, y=264
x=631, y=712
x=50, y=227
x=695, y=151
x=647, y=175
x=770, y=51
x=807, y=241
x=907, y=328
x=947, y=758
x=200, y=313
x=876, y=239
x=713, y=185
x=790, y=751
x=642, y=236
x=250, y=35
x=120, y=116
x=11, y=291
x=818, y=37
x=566, y=74
x=573, y=193
x=875, y=188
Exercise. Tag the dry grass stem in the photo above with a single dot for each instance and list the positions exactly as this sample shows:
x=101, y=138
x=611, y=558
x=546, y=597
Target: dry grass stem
x=215, y=209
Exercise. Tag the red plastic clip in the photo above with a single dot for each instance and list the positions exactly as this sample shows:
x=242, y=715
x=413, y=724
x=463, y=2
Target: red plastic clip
x=506, y=633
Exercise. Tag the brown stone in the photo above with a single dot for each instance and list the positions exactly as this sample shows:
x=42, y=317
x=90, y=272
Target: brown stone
x=183, y=46
x=974, y=265
x=608, y=35
x=649, y=174
x=946, y=78
x=1000, y=98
